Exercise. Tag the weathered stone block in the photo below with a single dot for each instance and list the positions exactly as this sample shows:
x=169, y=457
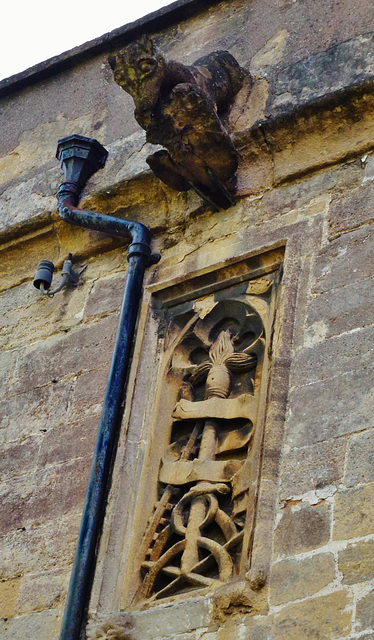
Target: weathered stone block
x=321, y=138
x=351, y=211
x=322, y=70
x=296, y=195
x=323, y=618
x=8, y=597
x=354, y=513
x=29, y=413
x=298, y=579
x=172, y=619
x=89, y=392
x=356, y=562
x=308, y=468
x=243, y=626
x=43, y=626
x=302, y=529
x=365, y=612
x=360, y=459
x=84, y=348
x=105, y=296
x=345, y=260
x=255, y=171
x=42, y=591
x=44, y=316
x=21, y=257
x=323, y=360
x=253, y=627
x=340, y=310
x=34, y=498
x=38, y=192
x=63, y=443
x=8, y=361
x=345, y=405
x=39, y=547
x=19, y=457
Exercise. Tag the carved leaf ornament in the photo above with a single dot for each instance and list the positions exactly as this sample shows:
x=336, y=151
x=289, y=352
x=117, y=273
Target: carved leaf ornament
x=223, y=360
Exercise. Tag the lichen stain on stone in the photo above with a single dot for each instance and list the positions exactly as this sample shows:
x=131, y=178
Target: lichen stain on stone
x=36, y=146
x=271, y=54
x=249, y=106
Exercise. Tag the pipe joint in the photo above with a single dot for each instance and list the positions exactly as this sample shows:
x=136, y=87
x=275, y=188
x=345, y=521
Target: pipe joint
x=139, y=249
x=68, y=195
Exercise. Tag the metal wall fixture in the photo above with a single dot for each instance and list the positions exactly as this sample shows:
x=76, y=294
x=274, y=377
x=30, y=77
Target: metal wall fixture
x=80, y=158
x=44, y=274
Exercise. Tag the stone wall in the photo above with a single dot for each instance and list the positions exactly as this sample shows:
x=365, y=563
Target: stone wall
x=305, y=185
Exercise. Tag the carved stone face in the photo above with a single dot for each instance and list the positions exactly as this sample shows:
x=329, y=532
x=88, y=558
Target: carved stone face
x=139, y=69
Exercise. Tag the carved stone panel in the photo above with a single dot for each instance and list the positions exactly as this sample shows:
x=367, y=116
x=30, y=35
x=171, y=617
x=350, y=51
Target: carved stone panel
x=208, y=425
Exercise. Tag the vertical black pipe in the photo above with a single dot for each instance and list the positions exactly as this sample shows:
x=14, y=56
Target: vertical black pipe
x=94, y=508
x=81, y=157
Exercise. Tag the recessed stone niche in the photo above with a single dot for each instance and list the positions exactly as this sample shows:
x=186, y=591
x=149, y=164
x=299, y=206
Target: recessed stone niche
x=195, y=509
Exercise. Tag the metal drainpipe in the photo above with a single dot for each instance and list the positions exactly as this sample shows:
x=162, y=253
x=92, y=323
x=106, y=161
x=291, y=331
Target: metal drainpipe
x=139, y=257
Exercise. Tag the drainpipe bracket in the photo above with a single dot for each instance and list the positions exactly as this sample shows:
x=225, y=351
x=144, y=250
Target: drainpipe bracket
x=143, y=249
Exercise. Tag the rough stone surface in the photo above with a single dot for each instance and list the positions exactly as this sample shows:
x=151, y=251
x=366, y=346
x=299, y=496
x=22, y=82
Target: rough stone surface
x=300, y=620
x=356, y=562
x=8, y=597
x=70, y=354
x=360, y=460
x=42, y=591
x=347, y=404
x=345, y=260
x=44, y=626
x=341, y=310
x=301, y=529
x=172, y=620
x=308, y=468
x=33, y=498
x=365, y=612
x=297, y=579
x=354, y=512
x=49, y=545
x=348, y=352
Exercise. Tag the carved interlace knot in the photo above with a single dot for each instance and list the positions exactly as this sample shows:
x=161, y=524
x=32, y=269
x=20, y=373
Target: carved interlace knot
x=217, y=370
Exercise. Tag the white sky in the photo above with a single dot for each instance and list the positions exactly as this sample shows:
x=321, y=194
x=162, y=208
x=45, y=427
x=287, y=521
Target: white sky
x=34, y=30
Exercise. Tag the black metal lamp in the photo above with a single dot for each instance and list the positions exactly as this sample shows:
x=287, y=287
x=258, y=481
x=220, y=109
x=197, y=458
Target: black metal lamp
x=44, y=274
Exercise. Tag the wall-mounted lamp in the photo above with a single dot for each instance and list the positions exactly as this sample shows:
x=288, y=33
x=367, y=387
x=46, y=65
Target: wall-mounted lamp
x=44, y=274
x=80, y=158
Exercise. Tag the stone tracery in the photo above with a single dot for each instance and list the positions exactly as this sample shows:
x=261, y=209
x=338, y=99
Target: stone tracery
x=194, y=536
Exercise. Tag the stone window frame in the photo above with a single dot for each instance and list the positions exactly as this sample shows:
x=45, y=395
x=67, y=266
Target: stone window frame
x=295, y=240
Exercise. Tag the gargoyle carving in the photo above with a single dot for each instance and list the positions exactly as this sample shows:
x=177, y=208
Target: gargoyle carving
x=185, y=108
